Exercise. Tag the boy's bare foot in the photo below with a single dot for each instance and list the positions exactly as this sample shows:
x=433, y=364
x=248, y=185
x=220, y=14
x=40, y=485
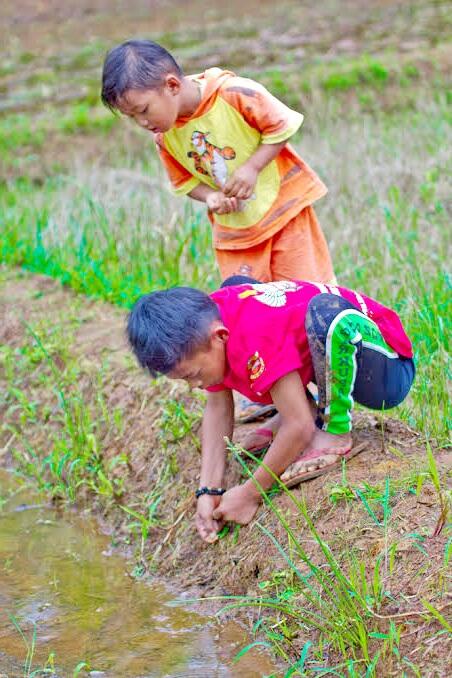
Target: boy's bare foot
x=324, y=442
x=324, y=450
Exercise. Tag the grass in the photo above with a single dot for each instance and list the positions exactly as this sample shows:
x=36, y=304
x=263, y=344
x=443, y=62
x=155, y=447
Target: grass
x=84, y=200
x=115, y=233
x=30, y=646
x=362, y=83
x=334, y=600
x=82, y=250
x=72, y=461
x=31, y=132
x=67, y=438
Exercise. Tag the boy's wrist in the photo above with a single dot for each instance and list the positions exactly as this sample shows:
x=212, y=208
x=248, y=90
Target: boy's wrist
x=210, y=491
x=253, y=164
x=201, y=192
x=251, y=489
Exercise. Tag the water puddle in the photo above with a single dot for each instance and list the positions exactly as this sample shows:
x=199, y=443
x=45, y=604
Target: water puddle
x=58, y=575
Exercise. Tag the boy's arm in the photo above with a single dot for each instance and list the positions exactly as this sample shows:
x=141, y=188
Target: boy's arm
x=275, y=122
x=297, y=429
x=218, y=423
x=242, y=182
x=295, y=433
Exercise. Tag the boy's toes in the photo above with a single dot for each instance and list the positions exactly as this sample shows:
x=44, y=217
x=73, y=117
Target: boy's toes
x=308, y=465
x=313, y=463
x=325, y=460
x=293, y=470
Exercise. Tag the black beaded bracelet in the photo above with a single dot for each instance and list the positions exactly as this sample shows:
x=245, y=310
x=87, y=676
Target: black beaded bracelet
x=213, y=491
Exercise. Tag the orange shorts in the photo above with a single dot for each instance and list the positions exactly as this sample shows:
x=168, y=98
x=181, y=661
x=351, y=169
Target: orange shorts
x=297, y=252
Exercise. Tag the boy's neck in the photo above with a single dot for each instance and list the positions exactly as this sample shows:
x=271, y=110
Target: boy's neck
x=190, y=97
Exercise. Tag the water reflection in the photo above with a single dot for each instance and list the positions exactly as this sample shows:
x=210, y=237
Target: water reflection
x=60, y=574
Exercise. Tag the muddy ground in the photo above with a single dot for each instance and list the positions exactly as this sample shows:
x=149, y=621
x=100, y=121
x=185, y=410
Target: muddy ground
x=90, y=334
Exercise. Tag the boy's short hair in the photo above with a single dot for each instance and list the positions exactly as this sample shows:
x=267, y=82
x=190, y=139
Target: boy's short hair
x=167, y=326
x=135, y=64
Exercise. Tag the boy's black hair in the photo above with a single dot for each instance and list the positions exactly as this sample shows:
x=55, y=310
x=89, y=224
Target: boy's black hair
x=167, y=326
x=135, y=64
x=238, y=280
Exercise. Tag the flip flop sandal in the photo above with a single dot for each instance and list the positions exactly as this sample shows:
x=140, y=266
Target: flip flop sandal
x=309, y=468
x=254, y=412
x=265, y=433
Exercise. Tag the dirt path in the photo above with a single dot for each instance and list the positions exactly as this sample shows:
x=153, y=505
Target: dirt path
x=85, y=341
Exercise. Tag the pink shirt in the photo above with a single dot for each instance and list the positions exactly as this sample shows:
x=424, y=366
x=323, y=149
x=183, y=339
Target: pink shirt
x=267, y=337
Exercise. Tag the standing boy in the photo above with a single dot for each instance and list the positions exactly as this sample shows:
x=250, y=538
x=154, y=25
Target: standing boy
x=223, y=141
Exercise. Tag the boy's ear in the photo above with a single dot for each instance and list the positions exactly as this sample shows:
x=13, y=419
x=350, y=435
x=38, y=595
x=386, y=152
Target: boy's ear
x=220, y=333
x=173, y=83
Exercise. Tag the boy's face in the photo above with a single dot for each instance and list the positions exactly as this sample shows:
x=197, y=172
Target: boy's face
x=207, y=366
x=153, y=109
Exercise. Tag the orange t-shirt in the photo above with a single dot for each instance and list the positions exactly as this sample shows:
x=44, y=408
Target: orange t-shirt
x=235, y=116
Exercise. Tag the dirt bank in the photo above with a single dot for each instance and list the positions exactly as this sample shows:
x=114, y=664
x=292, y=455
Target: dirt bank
x=56, y=342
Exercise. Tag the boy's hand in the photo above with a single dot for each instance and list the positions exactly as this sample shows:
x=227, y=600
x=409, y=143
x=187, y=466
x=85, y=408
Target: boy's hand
x=207, y=526
x=242, y=182
x=217, y=202
x=238, y=504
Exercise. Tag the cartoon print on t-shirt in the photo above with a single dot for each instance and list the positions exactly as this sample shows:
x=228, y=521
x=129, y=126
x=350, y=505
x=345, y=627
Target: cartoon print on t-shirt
x=271, y=294
x=210, y=159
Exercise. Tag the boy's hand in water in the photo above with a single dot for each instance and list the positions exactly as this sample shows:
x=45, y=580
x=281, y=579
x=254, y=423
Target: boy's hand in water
x=218, y=203
x=207, y=526
x=239, y=504
x=241, y=184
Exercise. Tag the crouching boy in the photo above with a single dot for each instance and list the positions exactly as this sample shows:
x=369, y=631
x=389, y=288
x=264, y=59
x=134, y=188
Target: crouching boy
x=269, y=341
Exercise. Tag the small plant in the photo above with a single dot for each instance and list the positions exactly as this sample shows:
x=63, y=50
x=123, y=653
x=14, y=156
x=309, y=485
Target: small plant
x=177, y=422
x=342, y=491
x=144, y=522
x=444, y=496
x=30, y=646
x=147, y=518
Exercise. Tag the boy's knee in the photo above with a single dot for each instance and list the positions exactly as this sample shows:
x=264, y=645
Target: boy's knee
x=322, y=309
x=329, y=304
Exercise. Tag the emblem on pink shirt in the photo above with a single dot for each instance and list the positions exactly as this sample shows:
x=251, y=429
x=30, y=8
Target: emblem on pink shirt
x=255, y=366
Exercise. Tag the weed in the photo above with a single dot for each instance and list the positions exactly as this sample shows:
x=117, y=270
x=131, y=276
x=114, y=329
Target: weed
x=342, y=491
x=74, y=460
x=444, y=496
x=30, y=646
x=143, y=522
x=341, y=601
x=177, y=422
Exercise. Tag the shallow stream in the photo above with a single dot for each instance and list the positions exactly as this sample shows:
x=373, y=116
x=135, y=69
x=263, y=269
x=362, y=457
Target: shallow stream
x=60, y=576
